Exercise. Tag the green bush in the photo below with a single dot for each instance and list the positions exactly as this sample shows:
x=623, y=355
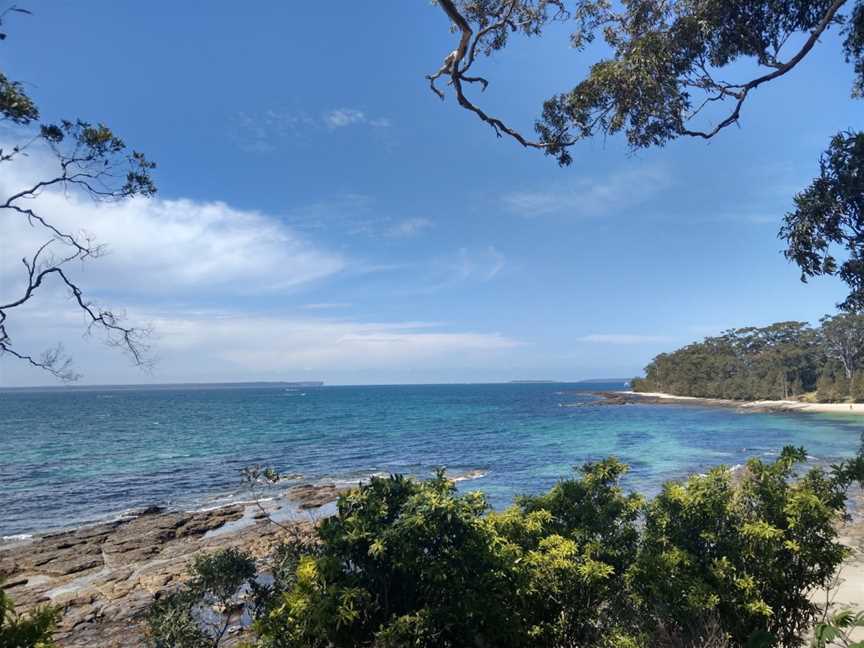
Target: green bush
x=199, y=614
x=34, y=630
x=733, y=557
x=747, y=553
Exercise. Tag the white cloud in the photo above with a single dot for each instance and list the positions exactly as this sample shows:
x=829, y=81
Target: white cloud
x=621, y=339
x=585, y=197
x=171, y=247
x=408, y=228
x=342, y=117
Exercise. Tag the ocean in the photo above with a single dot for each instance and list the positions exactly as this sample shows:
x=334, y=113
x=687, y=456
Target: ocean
x=71, y=457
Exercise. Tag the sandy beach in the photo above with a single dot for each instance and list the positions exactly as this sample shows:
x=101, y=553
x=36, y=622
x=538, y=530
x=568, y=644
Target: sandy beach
x=770, y=405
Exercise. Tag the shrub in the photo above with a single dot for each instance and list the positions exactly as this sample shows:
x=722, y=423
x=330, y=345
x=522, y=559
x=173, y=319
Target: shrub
x=720, y=560
x=198, y=615
x=748, y=553
x=34, y=630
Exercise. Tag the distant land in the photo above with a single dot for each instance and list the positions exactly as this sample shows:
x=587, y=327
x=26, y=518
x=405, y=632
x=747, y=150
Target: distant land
x=591, y=381
x=168, y=386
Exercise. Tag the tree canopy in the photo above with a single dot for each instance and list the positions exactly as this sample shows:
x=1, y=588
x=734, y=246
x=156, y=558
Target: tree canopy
x=683, y=68
x=780, y=361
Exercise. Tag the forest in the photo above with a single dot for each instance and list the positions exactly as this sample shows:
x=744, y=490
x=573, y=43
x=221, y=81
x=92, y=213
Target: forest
x=786, y=360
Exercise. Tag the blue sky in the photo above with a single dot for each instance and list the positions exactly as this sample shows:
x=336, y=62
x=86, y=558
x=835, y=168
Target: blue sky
x=322, y=215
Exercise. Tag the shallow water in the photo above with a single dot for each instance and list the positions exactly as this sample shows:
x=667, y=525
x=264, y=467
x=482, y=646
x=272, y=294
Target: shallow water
x=75, y=456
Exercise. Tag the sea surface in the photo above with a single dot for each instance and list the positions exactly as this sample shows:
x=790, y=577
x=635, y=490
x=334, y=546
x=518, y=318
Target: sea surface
x=69, y=457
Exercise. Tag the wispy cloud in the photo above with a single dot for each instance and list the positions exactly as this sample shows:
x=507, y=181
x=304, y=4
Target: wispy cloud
x=264, y=131
x=481, y=265
x=622, y=339
x=408, y=228
x=263, y=344
x=261, y=132
x=584, y=197
x=342, y=117
x=327, y=306
x=225, y=345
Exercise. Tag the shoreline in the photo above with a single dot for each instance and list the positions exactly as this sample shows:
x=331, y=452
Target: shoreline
x=660, y=398
x=293, y=502
x=104, y=576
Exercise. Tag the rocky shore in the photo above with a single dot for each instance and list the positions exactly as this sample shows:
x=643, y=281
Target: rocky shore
x=105, y=576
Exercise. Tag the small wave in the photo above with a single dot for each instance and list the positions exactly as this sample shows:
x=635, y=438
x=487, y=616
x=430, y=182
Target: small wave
x=470, y=475
x=18, y=537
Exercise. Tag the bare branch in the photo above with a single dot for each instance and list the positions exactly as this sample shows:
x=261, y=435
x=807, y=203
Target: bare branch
x=454, y=68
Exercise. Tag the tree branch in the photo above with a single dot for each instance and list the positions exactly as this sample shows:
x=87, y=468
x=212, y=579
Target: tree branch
x=780, y=70
x=454, y=68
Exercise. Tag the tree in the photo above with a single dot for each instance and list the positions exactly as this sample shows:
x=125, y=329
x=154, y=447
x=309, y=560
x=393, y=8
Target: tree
x=856, y=390
x=782, y=360
x=87, y=159
x=843, y=337
x=830, y=213
x=665, y=78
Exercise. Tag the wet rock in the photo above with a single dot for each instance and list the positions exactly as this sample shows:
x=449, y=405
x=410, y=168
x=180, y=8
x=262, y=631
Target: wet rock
x=312, y=496
x=104, y=577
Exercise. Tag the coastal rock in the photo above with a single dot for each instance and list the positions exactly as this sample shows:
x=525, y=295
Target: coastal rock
x=311, y=496
x=105, y=576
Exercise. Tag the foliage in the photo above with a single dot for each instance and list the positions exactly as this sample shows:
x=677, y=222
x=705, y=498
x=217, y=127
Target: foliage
x=843, y=337
x=171, y=623
x=856, y=390
x=82, y=158
x=774, y=362
x=750, y=553
x=829, y=213
x=780, y=361
x=682, y=68
x=666, y=61
x=837, y=630
x=34, y=630
x=720, y=560
x=199, y=614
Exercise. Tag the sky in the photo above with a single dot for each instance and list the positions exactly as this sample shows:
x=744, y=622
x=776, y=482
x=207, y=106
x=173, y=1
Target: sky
x=321, y=215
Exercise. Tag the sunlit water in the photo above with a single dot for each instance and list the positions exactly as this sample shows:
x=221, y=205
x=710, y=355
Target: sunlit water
x=70, y=457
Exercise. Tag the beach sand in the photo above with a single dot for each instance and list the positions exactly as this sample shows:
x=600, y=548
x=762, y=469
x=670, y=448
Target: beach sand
x=769, y=405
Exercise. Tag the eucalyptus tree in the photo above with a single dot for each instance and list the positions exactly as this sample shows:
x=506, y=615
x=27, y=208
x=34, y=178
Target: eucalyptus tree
x=843, y=339
x=681, y=69
x=81, y=158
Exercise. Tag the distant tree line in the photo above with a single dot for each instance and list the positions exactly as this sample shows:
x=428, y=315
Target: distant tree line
x=781, y=361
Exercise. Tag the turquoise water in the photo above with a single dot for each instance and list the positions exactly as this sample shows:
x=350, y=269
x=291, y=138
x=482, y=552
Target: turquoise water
x=75, y=456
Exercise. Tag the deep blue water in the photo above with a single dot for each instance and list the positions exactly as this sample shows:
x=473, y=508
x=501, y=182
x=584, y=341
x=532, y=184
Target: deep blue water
x=74, y=456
